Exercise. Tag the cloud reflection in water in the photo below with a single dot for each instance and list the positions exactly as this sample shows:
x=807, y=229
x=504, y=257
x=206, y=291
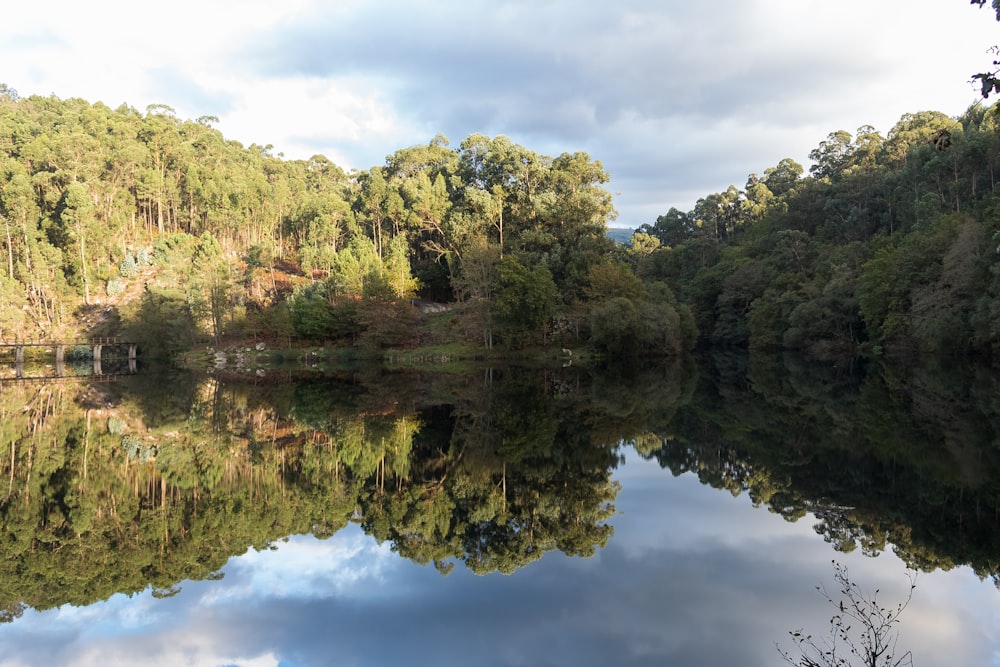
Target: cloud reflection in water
x=692, y=576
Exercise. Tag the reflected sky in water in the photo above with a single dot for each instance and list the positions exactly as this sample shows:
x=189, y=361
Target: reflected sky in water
x=692, y=576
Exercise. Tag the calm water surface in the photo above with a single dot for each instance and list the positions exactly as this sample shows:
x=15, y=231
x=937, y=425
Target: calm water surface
x=719, y=541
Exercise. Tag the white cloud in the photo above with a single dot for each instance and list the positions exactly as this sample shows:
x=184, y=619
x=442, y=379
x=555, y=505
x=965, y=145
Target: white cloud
x=309, y=115
x=303, y=567
x=752, y=81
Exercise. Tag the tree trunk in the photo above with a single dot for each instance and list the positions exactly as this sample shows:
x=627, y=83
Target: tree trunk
x=10, y=249
x=83, y=266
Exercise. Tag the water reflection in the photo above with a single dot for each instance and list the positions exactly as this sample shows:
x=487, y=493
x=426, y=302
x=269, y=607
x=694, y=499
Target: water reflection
x=667, y=589
x=154, y=484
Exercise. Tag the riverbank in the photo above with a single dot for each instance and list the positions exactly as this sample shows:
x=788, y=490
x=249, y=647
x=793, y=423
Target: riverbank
x=258, y=358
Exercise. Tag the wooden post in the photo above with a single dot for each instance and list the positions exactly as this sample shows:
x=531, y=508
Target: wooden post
x=97, y=359
x=19, y=361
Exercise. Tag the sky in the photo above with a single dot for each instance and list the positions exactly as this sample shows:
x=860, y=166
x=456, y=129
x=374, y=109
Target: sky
x=676, y=99
x=692, y=576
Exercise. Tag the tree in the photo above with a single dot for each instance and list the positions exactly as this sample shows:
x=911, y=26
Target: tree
x=642, y=245
x=312, y=314
x=16, y=209
x=759, y=199
x=78, y=217
x=989, y=83
x=832, y=155
x=355, y=267
x=323, y=219
x=672, y=228
x=860, y=627
x=524, y=301
x=915, y=129
x=609, y=279
x=782, y=177
x=396, y=269
x=475, y=284
x=616, y=327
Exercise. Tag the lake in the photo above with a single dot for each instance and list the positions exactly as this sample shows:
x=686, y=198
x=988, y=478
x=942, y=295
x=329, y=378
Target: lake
x=682, y=514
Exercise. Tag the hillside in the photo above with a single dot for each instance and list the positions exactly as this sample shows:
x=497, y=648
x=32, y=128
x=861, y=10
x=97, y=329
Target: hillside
x=888, y=245
x=162, y=230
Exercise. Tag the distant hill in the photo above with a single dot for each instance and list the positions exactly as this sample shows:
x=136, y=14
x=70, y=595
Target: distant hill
x=620, y=234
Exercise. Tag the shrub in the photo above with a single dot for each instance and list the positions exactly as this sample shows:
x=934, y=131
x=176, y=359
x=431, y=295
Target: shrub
x=136, y=448
x=129, y=267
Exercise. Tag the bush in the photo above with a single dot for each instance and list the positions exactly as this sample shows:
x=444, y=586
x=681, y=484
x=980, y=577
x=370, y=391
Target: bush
x=388, y=324
x=136, y=448
x=615, y=327
x=129, y=267
x=312, y=314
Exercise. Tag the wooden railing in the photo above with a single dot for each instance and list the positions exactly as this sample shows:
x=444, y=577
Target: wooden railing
x=100, y=348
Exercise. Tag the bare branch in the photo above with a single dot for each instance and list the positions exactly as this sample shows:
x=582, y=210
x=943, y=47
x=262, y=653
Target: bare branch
x=860, y=627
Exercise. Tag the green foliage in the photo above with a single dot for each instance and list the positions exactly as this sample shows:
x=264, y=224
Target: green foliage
x=609, y=280
x=891, y=276
x=616, y=327
x=524, y=301
x=356, y=268
x=89, y=193
x=137, y=449
x=312, y=313
x=162, y=324
x=671, y=229
x=885, y=243
x=114, y=287
x=207, y=250
x=174, y=249
x=396, y=270
x=129, y=267
x=650, y=324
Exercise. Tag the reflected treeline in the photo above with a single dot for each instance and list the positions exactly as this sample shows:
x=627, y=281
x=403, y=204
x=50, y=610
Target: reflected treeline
x=883, y=456
x=160, y=477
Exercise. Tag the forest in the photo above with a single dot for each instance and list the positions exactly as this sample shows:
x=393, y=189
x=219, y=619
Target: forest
x=888, y=245
x=144, y=225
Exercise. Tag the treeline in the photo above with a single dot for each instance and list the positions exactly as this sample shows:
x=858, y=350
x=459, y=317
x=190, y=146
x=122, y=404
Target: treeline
x=230, y=240
x=889, y=243
x=172, y=476
x=896, y=456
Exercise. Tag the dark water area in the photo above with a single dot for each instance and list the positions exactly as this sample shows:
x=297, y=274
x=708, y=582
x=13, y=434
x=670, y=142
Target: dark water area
x=682, y=514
